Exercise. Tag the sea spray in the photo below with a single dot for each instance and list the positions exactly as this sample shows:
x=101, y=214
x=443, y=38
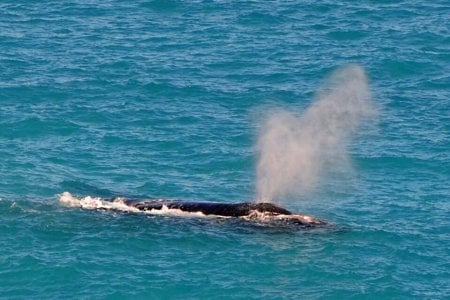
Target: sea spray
x=294, y=150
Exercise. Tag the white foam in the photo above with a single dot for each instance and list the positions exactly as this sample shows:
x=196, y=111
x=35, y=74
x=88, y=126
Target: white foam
x=118, y=204
x=166, y=211
x=89, y=202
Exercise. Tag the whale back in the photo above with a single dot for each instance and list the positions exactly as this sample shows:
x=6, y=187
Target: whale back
x=211, y=208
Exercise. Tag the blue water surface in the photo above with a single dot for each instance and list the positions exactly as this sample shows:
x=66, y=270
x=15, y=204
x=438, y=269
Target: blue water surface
x=165, y=98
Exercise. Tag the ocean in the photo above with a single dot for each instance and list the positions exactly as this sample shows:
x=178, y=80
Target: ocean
x=182, y=100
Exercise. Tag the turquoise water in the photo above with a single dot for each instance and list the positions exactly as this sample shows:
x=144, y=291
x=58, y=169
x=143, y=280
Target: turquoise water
x=165, y=99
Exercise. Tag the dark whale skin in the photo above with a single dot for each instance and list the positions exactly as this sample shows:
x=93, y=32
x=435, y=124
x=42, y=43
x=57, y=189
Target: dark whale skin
x=211, y=208
x=264, y=211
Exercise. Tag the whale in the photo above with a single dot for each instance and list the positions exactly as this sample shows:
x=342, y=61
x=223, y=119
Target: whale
x=262, y=211
x=257, y=212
